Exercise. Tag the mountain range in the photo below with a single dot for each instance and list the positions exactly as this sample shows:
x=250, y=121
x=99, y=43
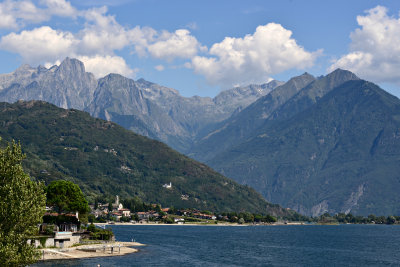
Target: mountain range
x=331, y=147
x=105, y=160
x=313, y=144
x=146, y=108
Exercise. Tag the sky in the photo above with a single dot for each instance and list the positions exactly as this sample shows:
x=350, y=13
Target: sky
x=203, y=47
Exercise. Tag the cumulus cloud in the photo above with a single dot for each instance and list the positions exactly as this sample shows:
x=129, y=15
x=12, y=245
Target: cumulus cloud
x=100, y=66
x=15, y=14
x=97, y=42
x=39, y=44
x=94, y=45
x=179, y=44
x=374, y=50
x=102, y=33
x=60, y=8
x=253, y=58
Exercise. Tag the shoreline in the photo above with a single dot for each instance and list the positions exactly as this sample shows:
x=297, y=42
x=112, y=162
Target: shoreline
x=169, y=224
x=196, y=224
x=90, y=251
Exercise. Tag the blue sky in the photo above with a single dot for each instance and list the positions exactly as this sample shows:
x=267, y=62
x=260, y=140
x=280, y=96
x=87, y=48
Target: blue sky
x=202, y=47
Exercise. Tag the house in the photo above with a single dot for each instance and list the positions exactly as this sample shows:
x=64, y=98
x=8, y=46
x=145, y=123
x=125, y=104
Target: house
x=179, y=220
x=204, y=216
x=147, y=215
x=168, y=186
x=125, y=212
x=58, y=230
x=117, y=215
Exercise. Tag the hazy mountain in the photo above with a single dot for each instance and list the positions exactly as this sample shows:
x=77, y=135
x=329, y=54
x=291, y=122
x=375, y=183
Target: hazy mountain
x=144, y=107
x=338, y=153
x=106, y=159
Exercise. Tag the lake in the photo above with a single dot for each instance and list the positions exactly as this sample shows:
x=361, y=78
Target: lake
x=310, y=245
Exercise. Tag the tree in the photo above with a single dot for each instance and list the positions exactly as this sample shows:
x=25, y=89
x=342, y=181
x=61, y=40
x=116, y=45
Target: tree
x=22, y=205
x=391, y=220
x=96, y=204
x=66, y=196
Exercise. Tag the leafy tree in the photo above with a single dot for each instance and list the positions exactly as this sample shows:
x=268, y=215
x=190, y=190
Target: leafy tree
x=91, y=228
x=391, y=220
x=67, y=197
x=157, y=208
x=270, y=219
x=91, y=218
x=172, y=210
x=22, y=205
x=169, y=220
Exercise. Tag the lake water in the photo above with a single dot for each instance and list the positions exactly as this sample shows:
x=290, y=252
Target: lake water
x=312, y=245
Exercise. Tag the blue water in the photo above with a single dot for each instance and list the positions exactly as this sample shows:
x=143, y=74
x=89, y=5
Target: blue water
x=344, y=245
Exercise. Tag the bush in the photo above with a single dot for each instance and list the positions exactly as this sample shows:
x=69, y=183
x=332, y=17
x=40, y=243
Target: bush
x=101, y=234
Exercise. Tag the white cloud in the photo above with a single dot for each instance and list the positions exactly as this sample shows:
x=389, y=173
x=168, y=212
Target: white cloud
x=94, y=45
x=15, y=14
x=374, y=49
x=99, y=39
x=40, y=44
x=179, y=44
x=102, y=34
x=159, y=67
x=100, y=66
x=254, y=58
x=60, y=8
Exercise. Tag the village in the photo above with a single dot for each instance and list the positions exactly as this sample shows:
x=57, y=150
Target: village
x=115, y=212
x=72, y=225
x=66, y=230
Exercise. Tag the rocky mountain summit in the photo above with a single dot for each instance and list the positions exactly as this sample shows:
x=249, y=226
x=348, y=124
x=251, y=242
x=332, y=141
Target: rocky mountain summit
x=67, y=85
x=144, y=107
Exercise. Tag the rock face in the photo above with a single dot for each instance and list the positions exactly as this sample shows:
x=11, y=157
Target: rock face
x=67, y=85
x=144, y=107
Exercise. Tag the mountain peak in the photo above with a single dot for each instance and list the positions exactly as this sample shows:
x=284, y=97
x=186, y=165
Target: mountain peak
x=301, y=80
x=344, y=73
x=111, y=76
x=69, y=65
x=23, y=69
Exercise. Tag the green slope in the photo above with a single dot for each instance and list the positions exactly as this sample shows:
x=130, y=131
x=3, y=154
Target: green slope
x=105, y=159
x=340, y=155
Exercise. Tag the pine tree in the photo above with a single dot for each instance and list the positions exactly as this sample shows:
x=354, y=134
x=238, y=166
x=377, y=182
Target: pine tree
x=22, y=205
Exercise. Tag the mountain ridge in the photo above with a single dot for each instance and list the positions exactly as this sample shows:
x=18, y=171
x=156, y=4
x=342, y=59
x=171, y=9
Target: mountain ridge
x=177, y=120
x=339, y=155
x=105, y=159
